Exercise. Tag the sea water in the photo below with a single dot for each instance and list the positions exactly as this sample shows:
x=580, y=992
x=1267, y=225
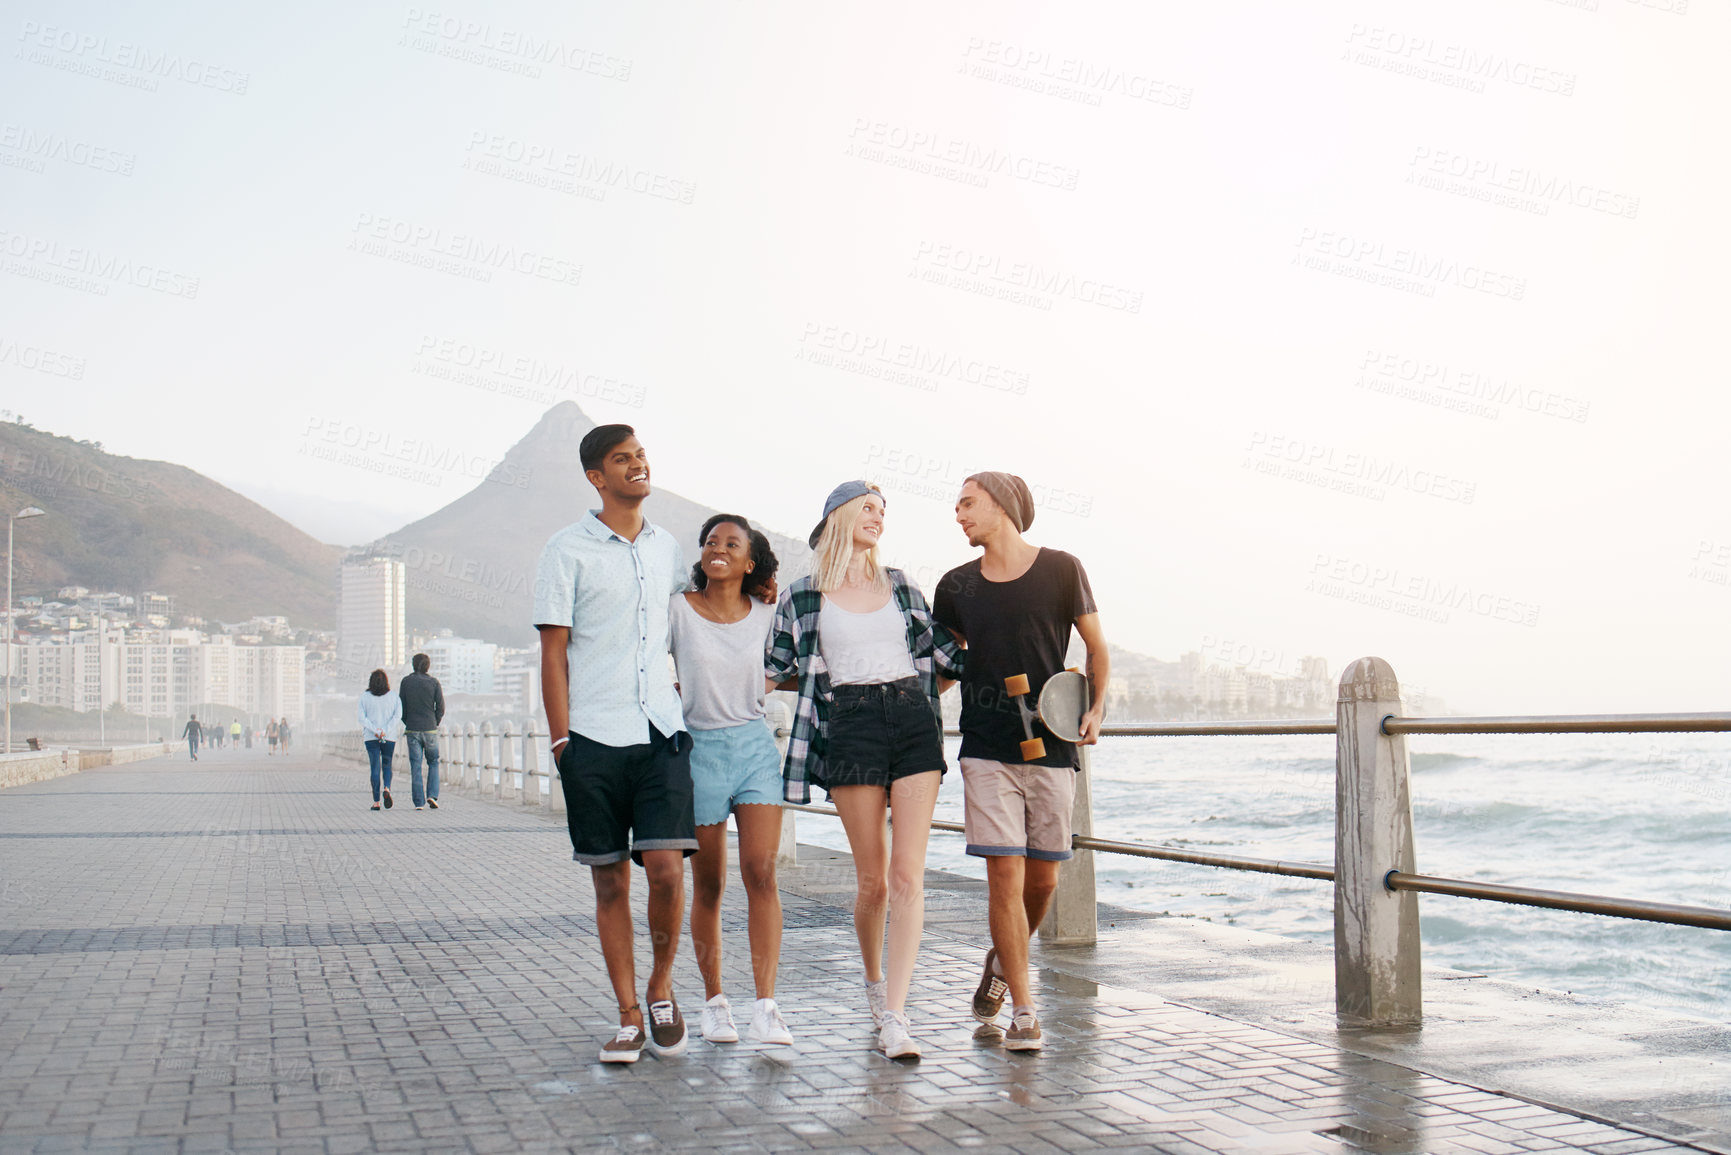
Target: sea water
x=1627, y=816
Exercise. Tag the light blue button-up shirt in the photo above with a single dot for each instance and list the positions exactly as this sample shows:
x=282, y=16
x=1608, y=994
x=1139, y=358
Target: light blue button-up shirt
x=613, y=594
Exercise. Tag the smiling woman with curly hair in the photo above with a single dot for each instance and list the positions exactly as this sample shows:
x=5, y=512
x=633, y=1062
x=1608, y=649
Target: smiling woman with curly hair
x=718, y=630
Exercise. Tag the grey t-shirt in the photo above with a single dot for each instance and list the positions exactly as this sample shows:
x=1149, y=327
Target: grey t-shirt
x=720, y=666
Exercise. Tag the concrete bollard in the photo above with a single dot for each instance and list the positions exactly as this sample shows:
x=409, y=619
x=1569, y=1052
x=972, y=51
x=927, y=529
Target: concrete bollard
x=1376, y=933
x=1073, y=918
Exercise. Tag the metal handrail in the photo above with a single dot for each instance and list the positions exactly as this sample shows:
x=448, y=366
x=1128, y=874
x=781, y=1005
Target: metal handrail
x=1640, y=910
x=1702, y=916
x=1225, y=861
x=1563, y=724
x=1144, y=850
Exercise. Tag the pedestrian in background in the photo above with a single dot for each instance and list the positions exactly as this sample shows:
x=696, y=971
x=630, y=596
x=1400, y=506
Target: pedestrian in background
x=192, y=733
x=283, y=735
x=381, y=714
x=423, y=709
x=270, y=735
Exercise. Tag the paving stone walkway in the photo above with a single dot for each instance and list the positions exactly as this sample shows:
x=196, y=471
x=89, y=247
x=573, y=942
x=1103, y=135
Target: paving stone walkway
x=238, y=955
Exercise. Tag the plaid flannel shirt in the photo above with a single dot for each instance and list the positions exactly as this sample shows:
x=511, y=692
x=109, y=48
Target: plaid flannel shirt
x=793, y=648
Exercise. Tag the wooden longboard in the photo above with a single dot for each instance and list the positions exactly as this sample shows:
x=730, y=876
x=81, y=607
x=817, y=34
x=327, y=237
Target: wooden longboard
x=1063, y=700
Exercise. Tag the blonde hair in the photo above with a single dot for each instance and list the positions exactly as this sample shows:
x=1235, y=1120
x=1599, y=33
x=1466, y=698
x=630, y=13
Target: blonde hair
x=835, y=547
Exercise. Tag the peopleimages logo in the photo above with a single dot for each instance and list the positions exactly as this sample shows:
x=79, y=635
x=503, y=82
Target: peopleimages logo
x=1454, y=65
x=1067, y=77
x=504, y=48
x=1394, y=266
x=549, y=165
x=518, y=374
x=38, y=147
x=461, y=254
x=940, y=263
x=1513, y=186
x=1414, y=595
x=39, y=360
x=1464, y=389
x=920, y=149
x=1356, y=474
x=411, y=458
x=88, y=269
x=922, y=360
x=122, y=61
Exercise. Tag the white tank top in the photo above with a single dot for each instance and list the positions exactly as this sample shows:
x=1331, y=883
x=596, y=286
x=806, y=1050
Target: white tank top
x=864, y=649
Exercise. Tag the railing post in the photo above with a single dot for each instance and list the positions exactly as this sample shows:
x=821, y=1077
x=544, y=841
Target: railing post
x=1073, y=919
x=531, y=768
x=778, y=719
x=555, y=788
x=489, y=763
x=508, y=761
x=1376, y=934
x=471, y=759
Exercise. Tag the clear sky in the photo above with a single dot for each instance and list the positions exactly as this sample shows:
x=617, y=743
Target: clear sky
x=1334, y=328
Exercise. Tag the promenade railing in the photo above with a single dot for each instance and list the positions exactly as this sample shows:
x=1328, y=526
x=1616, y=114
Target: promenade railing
x=1377, y=951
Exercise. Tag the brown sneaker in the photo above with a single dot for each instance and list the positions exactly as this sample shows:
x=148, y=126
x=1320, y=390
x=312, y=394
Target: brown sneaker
x=989, y=996
x=666, y=1029
x=625, y=1047
x=1024, y=1033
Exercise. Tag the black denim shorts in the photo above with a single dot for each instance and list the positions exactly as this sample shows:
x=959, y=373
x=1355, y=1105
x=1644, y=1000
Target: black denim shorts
x=879, y=733
x=623, y=800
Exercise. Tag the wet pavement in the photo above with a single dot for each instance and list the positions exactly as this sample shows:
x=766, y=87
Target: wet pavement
x=239, y=955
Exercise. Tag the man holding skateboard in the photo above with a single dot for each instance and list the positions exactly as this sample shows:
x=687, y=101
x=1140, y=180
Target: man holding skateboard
x=1014, y=607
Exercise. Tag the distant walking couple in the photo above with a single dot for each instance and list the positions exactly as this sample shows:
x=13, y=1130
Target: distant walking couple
x=414, y=711
x=868, y=660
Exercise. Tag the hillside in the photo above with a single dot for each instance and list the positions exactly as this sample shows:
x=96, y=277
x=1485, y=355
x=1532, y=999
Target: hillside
x=131, y=524
x=471, y=564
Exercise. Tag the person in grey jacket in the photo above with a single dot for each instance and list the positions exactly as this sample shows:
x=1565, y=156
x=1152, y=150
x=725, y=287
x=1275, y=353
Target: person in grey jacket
x=423, y=710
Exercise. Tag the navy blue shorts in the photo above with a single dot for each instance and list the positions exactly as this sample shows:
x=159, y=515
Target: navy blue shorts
x=623, y=800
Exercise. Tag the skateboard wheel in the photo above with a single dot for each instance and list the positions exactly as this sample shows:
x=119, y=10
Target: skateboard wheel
x=1033, y=748
x=1016, y=685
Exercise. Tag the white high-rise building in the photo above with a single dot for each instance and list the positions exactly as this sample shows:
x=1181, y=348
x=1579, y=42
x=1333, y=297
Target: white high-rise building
x=166, y=677
x=372, y=632
x=462, y=665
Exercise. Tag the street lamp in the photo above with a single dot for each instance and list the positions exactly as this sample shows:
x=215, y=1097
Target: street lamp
x=29, y=511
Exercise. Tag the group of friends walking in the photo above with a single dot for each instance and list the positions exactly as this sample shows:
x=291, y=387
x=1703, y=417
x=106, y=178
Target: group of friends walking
x=652, y=760
x=235, y=735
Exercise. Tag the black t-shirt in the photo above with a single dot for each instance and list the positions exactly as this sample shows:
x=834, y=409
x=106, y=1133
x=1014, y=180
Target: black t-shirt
x=1013, y=627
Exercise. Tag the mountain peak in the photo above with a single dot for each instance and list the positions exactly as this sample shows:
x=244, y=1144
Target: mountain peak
x=472, y=563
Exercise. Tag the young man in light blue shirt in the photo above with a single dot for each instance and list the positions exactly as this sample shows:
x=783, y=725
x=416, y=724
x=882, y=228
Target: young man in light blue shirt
x=601, y=600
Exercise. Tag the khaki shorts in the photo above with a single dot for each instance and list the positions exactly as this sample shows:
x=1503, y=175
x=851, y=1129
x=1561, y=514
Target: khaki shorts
x=1012, y=808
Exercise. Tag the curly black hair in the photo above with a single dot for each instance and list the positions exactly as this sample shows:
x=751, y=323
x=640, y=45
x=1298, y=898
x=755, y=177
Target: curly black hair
x=763, y=561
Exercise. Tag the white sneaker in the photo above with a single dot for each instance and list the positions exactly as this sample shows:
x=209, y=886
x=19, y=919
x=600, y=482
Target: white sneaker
x=767, y=1025
x=877, y=998
x=894, y=1040
x=718, y=1021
